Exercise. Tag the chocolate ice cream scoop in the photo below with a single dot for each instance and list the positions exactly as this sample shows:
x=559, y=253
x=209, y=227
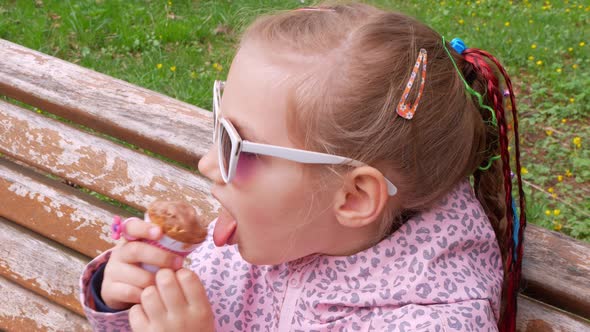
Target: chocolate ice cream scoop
x=178, y=220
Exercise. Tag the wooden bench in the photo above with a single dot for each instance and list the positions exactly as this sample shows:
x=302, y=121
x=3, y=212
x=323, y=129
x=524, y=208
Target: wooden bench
x=50, y=227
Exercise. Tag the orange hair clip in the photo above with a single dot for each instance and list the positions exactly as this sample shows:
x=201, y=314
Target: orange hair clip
x=404, y=109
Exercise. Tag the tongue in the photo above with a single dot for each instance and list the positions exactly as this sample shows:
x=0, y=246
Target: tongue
x=224, y=228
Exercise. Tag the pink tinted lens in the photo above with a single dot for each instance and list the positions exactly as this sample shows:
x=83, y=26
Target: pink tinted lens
x=246, y=164
x=224, y=149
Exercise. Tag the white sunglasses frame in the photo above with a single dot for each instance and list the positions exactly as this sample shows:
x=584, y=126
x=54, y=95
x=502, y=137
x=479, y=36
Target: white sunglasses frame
x=238, y=145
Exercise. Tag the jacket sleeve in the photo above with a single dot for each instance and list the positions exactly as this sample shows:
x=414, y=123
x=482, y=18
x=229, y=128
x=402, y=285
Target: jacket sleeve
x=471, y=315
x=100, y=321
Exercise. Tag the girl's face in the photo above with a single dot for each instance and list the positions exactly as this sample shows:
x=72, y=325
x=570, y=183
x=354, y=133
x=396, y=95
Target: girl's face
x=272, y=206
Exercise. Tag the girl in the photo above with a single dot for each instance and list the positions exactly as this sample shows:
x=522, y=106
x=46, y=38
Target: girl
x=345, y=138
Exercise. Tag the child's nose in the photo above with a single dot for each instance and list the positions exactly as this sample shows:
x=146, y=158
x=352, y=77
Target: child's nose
x=209, y=167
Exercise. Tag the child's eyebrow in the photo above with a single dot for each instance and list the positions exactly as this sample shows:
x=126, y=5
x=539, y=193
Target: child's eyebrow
x=246, y=132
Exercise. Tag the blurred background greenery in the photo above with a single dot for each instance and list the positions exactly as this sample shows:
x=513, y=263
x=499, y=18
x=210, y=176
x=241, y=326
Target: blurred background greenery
x=179, y=47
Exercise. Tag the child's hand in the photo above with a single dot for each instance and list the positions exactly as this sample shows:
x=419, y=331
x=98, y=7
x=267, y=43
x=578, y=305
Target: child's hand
x=124, y=279
x=178, y=302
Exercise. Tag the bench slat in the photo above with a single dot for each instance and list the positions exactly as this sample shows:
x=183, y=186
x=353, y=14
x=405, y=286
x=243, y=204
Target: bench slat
x=145, y=118
x=23, y=310
x=556, y=269
x=55, y=210
x=535, y=316
x=98, y=164
x=41, y=265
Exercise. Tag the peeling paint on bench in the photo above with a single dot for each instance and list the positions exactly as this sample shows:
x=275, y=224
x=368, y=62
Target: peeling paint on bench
x=30, y=312
x=145, y=118
x=40, y=265
x=98, y=164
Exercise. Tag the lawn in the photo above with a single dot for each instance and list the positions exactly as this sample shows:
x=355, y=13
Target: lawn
x=179, y=48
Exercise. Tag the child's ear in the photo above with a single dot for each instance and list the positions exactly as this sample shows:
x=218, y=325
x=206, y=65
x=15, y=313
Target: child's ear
x=362, y=198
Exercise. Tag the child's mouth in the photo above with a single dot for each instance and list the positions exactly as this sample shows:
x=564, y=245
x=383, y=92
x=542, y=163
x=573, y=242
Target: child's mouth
x=224, y=229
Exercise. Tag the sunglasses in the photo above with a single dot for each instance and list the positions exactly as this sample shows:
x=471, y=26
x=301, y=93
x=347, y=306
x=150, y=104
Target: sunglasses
x=231, y=146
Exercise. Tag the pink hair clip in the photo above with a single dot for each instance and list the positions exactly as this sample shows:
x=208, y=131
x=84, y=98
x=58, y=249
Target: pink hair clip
x=118, y=229
x=404, y=109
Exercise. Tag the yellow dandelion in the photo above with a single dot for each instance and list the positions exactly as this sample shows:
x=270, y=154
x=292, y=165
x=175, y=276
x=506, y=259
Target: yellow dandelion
x=531, y=58
x=549, y=132
x=577, y=141
x=554, y=195
x=572, y=100
x=173, y=68
x=551, y=190
x=507, y=24
x=568, y=173
x=575, y=66
x=169, y=3
x=217, y=66
x=556, y=212
x=523, y=170
x=539, y=62
x=461, y=21
x=570, y=49
x=193, y=74
x=582, y=44
x=548, y=212
x=564, y=120
x=560, y=178
x=534, y=46
x=531, y=21
x=567, y=10
x=580, y=6
x=558, y=70
x=159, y=66
x=473, y=14
x=557, y=226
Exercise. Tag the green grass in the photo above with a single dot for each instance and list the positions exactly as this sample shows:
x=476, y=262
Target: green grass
x=179, y=48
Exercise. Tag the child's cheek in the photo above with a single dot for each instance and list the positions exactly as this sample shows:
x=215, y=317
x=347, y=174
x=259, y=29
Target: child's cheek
x=246, y=166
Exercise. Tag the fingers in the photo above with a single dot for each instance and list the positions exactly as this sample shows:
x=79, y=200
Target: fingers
x=151, y=302
x=170, y=291
x=137, y=318
x=138, y=252
x=119, y=295
x=138, y=228
x=129, y=274
x=193, y=289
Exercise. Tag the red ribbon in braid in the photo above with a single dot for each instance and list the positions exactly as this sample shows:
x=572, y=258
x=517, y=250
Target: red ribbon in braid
x=477, y=58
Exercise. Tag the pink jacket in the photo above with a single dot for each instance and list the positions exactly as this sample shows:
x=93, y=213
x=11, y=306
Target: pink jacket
x=441, y=271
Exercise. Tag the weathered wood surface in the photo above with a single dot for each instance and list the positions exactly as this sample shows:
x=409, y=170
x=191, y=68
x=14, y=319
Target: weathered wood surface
x=535, y=316
x=41, y=265
x=556, y=269
x=55, y=210
x=98, y=164
x=23, y=310
x=145, y=118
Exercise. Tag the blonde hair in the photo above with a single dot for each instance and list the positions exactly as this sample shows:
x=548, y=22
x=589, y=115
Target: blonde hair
x=355, y=60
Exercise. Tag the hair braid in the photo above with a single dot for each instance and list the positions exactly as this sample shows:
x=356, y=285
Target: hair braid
x=514, y=247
